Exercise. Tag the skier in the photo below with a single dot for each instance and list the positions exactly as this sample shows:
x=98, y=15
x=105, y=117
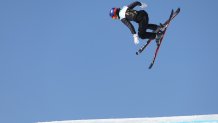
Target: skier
x=127, y=14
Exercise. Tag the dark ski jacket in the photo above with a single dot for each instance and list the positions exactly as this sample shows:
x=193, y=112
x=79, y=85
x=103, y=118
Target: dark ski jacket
x=127, y=14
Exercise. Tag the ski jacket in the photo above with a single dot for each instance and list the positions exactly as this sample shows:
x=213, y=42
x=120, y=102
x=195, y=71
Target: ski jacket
x=127, y=14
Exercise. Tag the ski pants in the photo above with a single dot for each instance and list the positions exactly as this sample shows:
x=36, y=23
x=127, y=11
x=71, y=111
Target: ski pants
x=143, y=22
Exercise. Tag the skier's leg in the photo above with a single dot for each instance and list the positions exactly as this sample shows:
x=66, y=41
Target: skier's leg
x=147, y=35
x=152, y=26
x=142, y=20
x=143, y=26
x=143, y=34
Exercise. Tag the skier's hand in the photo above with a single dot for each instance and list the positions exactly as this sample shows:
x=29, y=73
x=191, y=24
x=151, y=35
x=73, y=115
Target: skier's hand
x=144, y=5
x=136, y=39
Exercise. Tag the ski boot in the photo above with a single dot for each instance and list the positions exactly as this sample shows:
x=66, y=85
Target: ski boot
x=163, y=27
x=158, y=37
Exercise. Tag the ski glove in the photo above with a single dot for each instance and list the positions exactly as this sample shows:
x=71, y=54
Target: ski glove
x=144, y=5
x=136, y=39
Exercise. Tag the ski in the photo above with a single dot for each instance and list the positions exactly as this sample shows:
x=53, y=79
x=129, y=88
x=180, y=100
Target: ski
x=172, y=15
x=164, y=32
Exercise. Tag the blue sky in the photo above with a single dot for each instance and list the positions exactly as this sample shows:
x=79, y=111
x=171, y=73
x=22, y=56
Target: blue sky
x=66, y=60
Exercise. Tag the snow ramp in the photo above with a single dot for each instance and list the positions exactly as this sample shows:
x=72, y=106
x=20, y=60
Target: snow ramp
x=174, y=119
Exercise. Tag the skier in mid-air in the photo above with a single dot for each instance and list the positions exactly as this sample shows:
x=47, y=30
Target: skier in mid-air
x=127, y=14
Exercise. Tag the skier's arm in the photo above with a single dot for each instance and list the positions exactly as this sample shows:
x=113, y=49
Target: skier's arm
x=132, y=29
x=134, y=4
x=129, y=25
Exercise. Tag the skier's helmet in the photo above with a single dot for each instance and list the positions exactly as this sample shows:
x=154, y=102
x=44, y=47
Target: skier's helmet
x=113, y=13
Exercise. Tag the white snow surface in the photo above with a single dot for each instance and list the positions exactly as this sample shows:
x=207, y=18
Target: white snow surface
x=213, y=118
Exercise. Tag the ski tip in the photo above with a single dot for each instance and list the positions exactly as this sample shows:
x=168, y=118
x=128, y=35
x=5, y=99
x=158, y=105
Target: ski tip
x=151, y=65
x=172, y=11
x=171, y=15
x=178, y=10
x=137, y=53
